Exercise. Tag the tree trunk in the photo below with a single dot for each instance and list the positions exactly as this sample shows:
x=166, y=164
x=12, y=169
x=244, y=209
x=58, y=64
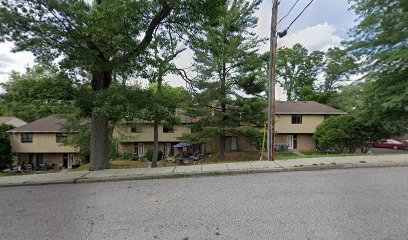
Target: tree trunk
x=222, y=146
x=99, y=142
x=156, y=126
x=223, y=110
x=155, y=144
x=99, y=158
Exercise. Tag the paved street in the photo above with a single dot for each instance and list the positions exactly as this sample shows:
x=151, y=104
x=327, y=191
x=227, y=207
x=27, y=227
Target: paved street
x=333, y=204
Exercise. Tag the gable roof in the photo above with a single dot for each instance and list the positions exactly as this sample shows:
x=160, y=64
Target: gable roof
x=13, y=121
x=4, y=120
x=305, y=107
x=50, y=124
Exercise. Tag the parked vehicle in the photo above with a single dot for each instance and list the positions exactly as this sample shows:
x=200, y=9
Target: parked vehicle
x=390, y=143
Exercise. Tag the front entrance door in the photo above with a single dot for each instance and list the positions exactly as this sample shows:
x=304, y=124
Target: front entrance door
x=70, y=160
x=290, y=142
x=167, y=149
x=65, y=160
x=35, y=159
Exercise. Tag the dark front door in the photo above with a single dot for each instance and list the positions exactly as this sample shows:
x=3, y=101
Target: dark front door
x=35, y=159
x=65, y=160
x=295, y=141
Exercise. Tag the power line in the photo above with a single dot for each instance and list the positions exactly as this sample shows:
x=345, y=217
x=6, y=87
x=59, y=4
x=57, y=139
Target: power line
x=282, y=34
x=290, y=10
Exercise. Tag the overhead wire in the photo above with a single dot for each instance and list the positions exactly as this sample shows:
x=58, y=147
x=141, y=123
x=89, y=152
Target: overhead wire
x=284, y=32
x=290, y=10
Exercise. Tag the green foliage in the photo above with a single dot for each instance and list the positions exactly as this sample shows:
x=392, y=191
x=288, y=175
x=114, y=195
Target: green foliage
x=348, y=132
x=339, y=65
x=350, y=98
x=94, y=35
x=42, y=91
x=104, y=38
x=254, y=136
x=117, y=102
x=296, y=69
x=380, y=40
x=149, y=155
x=161, y=105
x=227, y=64
x=79, y=135
x=6, y=157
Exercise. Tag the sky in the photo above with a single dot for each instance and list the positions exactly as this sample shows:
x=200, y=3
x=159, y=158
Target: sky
x=324, y=24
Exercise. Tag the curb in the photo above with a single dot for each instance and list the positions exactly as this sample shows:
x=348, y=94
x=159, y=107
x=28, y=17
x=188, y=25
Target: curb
x=84, y=179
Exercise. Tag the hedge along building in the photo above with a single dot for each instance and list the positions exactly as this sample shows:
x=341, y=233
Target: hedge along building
x=41, y=141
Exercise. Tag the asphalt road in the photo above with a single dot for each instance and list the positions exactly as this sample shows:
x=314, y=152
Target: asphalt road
x=333, y=204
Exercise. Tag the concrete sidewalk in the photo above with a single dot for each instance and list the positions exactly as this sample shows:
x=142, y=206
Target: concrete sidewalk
x=304, y=164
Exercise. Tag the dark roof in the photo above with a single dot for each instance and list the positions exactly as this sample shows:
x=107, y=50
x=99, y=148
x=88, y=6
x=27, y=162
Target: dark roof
x=51, y=124
x=180, y=113
x=305, y=107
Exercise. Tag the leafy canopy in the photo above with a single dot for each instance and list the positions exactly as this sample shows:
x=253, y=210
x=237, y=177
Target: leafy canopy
x=380, y=40
x=296, y=69
x=42, y=91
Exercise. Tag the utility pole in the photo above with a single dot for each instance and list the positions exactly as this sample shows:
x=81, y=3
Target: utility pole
x=272, y=76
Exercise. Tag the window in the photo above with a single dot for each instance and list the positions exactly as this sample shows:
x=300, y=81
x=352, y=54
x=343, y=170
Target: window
x=231, y=143
x=26, y=137
x=168, y=128
x=60, y=137
x=296, y=119
x=139, y=149
x=136, y=129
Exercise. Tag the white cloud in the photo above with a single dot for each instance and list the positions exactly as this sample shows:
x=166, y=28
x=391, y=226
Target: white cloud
x=318, y=37
x=13, y=61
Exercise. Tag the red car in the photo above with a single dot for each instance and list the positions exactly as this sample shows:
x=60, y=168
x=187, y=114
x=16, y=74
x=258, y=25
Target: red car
x=390, y=143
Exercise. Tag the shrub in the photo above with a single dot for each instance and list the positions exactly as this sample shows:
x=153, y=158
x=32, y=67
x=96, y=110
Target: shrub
x=6, y=157
x=149, y=155
x=348, y=132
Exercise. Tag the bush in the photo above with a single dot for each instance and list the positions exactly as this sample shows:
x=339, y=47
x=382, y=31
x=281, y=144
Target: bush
x=149, y=155
x=348, y=132
x=6, y=157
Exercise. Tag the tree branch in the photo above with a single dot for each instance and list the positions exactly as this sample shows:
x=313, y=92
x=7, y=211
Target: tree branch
x=158, y=18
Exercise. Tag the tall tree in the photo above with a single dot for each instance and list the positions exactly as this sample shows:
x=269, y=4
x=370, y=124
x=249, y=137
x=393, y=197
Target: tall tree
x=380, y=40
x=41, y=91
x=101, y=37
x=296, y=69
x=162, y=108
x=226, y=61
x=339, y=65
